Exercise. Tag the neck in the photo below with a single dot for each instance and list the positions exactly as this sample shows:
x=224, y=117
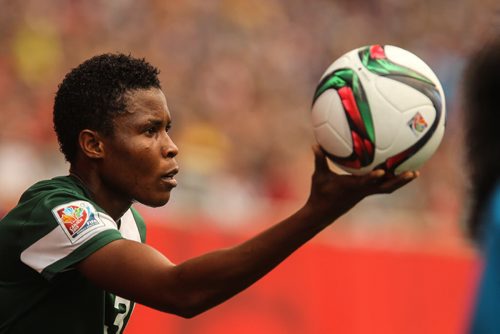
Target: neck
x=103, y=195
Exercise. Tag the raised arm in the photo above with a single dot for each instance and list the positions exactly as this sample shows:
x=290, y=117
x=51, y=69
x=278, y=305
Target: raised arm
x=138, y=272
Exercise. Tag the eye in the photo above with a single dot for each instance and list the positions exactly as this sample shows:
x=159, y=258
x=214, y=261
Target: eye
x=150, y=131
x=168, y=127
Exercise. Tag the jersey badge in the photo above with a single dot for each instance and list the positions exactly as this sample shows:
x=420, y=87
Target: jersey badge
x=77, y=218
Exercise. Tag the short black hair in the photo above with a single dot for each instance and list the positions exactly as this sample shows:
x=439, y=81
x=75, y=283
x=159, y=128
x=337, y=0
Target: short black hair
x=481, y=122
x=92, y=94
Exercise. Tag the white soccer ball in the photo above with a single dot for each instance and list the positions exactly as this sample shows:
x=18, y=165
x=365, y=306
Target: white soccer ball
x=379, y=106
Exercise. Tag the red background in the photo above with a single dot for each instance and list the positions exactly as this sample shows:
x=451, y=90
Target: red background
x=327, y=289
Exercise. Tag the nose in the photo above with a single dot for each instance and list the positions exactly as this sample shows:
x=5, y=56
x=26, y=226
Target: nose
x=169, y=149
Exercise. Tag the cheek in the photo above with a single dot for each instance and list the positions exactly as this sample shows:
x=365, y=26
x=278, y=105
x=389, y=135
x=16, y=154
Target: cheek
x=142, y=164
x=134, y=150
x=133, y=164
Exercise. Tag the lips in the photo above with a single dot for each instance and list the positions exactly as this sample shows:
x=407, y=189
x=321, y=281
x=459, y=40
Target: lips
x=168, y=177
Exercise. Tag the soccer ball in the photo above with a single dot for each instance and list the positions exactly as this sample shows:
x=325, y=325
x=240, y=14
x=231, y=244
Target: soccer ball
x=379, y=106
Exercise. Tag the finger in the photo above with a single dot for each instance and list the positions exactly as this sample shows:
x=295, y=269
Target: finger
x=376, y=175
x=393, y=183
x=320, y=161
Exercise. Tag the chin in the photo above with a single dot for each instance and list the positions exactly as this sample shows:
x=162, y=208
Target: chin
x=156, y=202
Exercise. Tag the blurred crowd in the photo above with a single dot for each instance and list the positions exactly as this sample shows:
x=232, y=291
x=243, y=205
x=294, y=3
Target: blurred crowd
x=239, y=78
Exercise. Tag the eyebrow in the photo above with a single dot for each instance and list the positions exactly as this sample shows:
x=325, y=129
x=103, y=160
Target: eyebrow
x=157, y=122
x=154, y=122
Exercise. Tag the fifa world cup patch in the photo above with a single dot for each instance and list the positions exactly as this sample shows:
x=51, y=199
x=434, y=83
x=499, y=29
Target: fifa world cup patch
x=418, y=124
x=77, y=219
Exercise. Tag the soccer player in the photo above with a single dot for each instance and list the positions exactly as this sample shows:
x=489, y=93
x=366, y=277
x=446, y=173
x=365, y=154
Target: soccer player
x=482, y=117
x=72, y=251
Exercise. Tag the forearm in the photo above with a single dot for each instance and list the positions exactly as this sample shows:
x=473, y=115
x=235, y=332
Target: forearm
x=217, y=276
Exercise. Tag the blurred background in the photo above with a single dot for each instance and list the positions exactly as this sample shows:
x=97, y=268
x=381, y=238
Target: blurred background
x=239, y=78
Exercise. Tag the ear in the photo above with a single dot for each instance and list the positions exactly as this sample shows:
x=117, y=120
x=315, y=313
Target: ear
x=91, y=144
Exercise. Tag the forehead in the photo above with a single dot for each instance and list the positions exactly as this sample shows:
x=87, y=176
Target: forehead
x=146, y=103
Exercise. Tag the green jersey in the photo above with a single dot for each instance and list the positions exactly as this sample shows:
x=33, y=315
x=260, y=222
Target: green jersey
x=53, y=227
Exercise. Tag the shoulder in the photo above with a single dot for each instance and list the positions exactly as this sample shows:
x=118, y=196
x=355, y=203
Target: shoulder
x=63, y=186
x=55, y=225
x=49, y=202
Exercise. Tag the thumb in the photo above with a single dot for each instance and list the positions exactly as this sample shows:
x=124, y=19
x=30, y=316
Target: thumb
x=320, y=161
